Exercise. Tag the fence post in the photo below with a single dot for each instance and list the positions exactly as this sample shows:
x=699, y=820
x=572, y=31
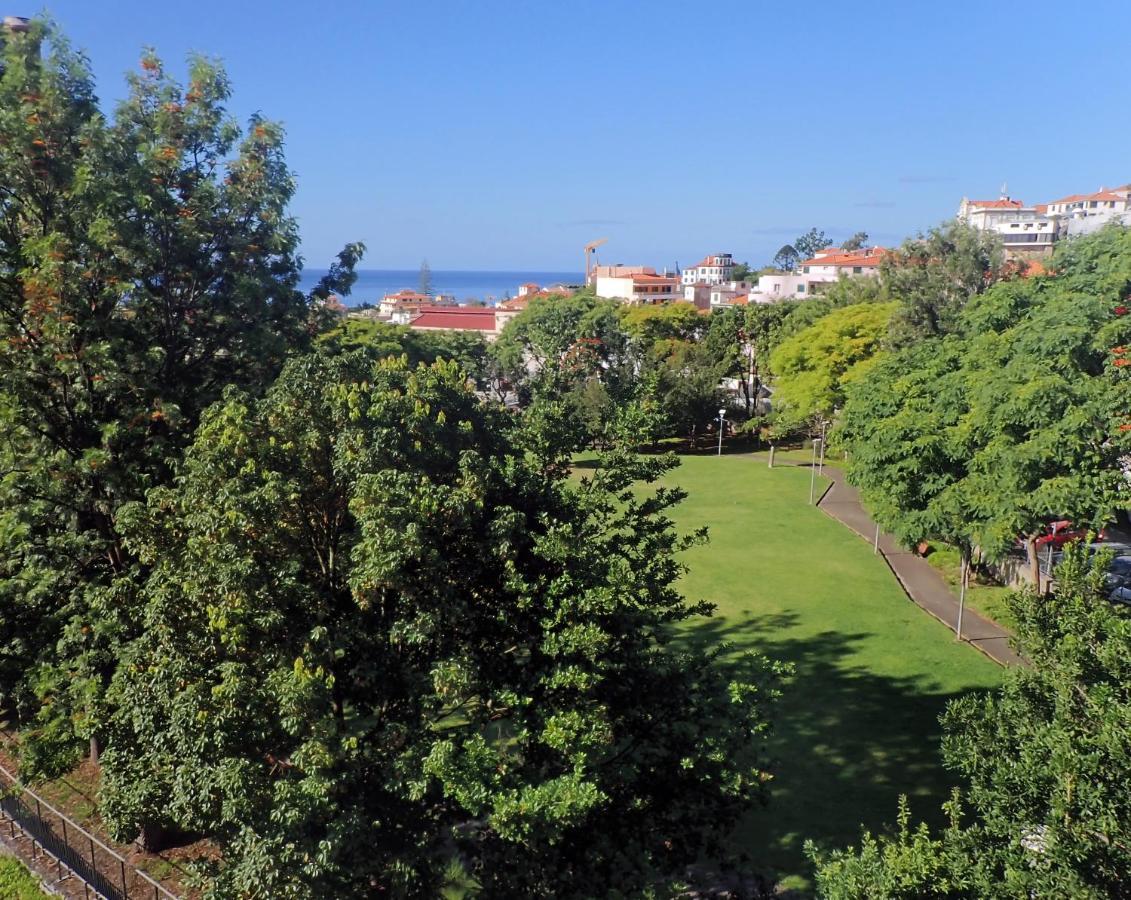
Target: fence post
x=93, y=864
x=39, y=816
x=125, y=890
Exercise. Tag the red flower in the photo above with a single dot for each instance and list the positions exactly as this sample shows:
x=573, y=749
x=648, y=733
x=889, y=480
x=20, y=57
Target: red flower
x=1118, y=351
x=1122, y=362
x=1120, y=310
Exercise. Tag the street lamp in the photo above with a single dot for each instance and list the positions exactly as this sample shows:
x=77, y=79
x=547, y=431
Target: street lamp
x=813, y=469
x=722, y=420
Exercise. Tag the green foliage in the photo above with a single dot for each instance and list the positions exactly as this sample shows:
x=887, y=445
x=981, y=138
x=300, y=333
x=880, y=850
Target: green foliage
x=815, y=367
x=985, y=435
x=1046, y=765
x=17, y=883
x=146, y=262
x=810, y=242
x=935, y=275
x=381, y=627
x=787, y=258
x=857, y=242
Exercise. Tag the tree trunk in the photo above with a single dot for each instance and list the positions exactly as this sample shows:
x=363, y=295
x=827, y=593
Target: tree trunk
x=1034, y=561
x=94, y=749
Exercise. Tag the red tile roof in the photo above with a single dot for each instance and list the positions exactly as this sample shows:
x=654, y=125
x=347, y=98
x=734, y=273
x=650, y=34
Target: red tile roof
x=706, y=262
x=457, y=319
x=997, y=204
x=1078, y=198
x=869, y=257
x=654, y=279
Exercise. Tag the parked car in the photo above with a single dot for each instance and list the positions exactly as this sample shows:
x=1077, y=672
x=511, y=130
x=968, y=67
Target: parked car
x=1119, y=549
x=1119, y=572
x=1057, y=534
x=1120, y=595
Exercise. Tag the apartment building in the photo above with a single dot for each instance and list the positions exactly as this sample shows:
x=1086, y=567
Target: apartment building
x=715, y=269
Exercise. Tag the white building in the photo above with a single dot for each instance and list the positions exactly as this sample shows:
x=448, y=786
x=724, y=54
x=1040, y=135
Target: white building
x=710, y=270
x=639, y=287
x=832, y=262
x=1024, y=230
x=731, y=293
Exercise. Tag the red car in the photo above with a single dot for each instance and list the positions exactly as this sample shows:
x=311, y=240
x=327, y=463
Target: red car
x=1059, y=533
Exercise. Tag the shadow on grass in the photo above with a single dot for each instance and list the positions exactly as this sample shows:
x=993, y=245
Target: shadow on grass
x=846, y=743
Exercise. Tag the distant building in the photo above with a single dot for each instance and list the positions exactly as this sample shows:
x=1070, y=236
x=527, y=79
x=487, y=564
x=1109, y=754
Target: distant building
x=1024, y=230
x=481, y=320
x=714, y=269
x=698, y=295
x=643, y=287
x=832, y=262
x=731, y=293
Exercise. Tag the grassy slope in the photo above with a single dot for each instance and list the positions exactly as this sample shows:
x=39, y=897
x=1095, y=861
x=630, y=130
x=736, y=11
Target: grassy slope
x=858, y=725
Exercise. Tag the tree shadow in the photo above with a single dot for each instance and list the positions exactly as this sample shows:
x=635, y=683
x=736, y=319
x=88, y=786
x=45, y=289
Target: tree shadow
x=846, y=742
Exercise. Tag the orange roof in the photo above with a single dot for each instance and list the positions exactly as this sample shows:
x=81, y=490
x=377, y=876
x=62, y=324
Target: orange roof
x=1079, y=198
x=1042, y=208
x=869, y=257
x=997, y=204
x=741, y=300
x=654, y=279
x=706, y=262
x=457, y=319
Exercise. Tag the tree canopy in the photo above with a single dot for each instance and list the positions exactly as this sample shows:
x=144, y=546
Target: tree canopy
x=147, y=261
x=379, y=631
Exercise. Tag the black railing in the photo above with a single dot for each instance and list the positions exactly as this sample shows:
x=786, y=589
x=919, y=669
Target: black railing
x=100, y=868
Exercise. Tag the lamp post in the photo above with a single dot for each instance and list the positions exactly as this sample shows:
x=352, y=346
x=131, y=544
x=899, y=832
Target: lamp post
x=722, y=421
x=821, y=463
x=813, y=470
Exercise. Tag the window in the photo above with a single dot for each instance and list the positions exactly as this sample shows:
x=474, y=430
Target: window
x=801, y=288
x=856, y=270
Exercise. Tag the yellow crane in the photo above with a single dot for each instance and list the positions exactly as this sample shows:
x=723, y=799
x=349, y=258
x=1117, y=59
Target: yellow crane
x=590, y=253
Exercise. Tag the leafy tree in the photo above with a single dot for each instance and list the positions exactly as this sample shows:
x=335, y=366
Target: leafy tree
x=787, y=258
x=1046, y=766
x=741, y=271
x=935, y=275
x=382, y=628
x=814, y=367
x=810, y=242
x=425, y=281
x=145, y=263
x=857, y=242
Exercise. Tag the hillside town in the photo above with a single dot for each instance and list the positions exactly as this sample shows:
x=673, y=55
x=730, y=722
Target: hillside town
x=1028, y=234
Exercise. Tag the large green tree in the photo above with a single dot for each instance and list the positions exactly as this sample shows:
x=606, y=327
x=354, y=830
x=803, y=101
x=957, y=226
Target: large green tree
x=1045, y=761
x=146, y=262
x=934, y=275
x=814, y=367
x=382, y=631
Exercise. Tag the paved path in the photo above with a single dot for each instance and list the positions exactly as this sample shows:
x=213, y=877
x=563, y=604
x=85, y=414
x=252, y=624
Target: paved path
x=920, y=580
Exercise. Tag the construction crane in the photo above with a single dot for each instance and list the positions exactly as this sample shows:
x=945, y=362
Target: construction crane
x=590, y=252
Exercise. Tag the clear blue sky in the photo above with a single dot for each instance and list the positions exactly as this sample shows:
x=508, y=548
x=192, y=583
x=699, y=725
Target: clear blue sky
x=484, y=134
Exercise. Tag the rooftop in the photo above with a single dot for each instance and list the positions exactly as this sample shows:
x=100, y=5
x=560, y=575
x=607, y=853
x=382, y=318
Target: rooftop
x=457, y=319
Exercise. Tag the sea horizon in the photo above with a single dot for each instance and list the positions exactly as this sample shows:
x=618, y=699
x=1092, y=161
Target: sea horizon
x=486, y=285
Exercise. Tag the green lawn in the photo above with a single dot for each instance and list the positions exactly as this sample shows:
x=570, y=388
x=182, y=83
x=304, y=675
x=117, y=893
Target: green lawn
x=859, y=722
x=17, y=883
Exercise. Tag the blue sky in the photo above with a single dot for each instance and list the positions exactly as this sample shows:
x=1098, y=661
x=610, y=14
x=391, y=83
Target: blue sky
x=486, y=135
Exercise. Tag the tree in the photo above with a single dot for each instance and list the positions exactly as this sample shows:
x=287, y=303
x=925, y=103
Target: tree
x=985, y=435
x=935, y=275
x=741, y=271
x=809, y=243
x=146, y=262
x=815, y=366
x=857, y=242
x=1045, y=761
x=906, y=453
x=786, y=258
x=425, y=283
x=382, y=629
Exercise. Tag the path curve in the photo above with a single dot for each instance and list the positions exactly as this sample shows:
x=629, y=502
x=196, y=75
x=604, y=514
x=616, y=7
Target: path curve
x=919, y=579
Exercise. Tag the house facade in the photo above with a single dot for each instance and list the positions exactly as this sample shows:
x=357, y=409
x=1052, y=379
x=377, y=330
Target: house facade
x=715, y=269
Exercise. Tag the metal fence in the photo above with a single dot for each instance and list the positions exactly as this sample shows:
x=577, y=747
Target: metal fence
x=101, y=869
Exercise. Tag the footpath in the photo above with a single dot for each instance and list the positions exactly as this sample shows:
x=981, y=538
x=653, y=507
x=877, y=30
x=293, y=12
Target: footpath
x=921, y=582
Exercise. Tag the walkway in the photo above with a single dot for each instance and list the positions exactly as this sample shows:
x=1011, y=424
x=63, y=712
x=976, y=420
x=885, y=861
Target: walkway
x=921, y=582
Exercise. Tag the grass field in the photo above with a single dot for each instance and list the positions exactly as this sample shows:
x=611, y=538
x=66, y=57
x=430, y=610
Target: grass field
x=859, y=723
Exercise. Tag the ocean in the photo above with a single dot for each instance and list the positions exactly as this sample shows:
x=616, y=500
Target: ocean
x=373, y=284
